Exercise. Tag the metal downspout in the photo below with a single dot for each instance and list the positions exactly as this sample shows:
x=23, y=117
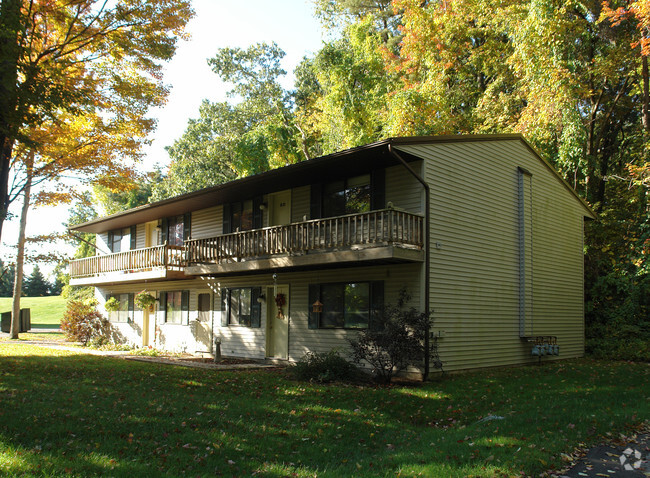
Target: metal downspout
x=427, y=257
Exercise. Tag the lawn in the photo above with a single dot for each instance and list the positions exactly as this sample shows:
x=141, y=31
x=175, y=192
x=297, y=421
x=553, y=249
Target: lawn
x=77, y=415
x=46, y=312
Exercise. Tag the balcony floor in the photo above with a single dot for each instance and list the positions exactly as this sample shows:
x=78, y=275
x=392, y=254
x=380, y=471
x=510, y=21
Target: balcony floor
x=320, y=259
x=126, y=277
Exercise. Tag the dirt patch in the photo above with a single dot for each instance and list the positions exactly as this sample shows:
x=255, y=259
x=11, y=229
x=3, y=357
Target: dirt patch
x=221, y=361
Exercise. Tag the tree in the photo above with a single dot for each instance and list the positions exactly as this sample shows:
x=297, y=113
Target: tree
x=59, y=274
x=7, y=272
x=83, y=57
x=137, y=193
x=231, y=140
x=82, y=211
x=36, y=285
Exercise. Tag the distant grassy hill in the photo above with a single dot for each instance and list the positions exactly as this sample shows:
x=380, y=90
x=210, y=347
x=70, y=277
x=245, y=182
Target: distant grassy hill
x=46, y=312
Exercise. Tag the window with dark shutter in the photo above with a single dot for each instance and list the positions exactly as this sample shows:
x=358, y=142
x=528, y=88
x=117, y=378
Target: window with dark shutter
x=256, y=307
x=347, y=305
x=378, y=189
x=185, y=307
x=227, y=226
x=187, y=226
x=240, y=307
x=224, y=307
x=315, y=201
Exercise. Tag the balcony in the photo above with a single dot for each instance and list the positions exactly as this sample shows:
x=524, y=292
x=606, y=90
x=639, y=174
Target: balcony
x=385, y=236
x=151, y=263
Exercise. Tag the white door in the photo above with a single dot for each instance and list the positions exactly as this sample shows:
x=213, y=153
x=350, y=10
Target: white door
x=204, y=325
x=277, y=324
x=280, y=208
x=151, y=234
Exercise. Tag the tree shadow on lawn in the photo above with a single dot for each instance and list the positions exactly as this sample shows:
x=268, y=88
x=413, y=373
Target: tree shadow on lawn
x=84, y=416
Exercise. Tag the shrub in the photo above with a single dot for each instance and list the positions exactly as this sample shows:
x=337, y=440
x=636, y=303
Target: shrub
x=324, y=367
x=395, y=340
x=617, y=318
x=82, y=323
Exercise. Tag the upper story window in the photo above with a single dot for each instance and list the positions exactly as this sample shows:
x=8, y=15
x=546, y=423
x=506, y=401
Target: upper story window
x=120, y=240
x=176, y=229
x=348, y=196
x=242, y=215
x=352, y=195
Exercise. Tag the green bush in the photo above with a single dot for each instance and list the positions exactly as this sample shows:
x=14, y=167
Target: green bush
x=82, y=323
x=618, y=318
x=395, y=340
x=325, y=367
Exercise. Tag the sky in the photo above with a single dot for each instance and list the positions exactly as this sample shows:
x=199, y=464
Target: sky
x=217, y=24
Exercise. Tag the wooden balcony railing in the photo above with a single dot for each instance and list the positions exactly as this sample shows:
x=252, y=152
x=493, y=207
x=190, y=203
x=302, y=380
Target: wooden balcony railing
x=137, y=260
x=382, y=227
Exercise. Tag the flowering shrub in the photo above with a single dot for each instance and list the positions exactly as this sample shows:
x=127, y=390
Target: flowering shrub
x=82, y=323
x=145, y=300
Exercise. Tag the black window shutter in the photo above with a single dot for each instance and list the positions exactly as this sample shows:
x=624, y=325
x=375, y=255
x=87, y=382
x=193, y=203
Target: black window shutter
x=131, y=303
x=378, y=189
x=227, y=219
x=185, y=307
x=314, y=295
x=163, y=307
x=377, y=301
x=187, y=226
x=165, y=231
x=256, y=307
x=315, y=201
x=224, y=307
x=258, y=214
x=134, y=231
x=111, y=238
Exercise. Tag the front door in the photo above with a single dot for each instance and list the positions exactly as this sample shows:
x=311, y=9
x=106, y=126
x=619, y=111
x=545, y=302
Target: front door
x=277, y=324
x=280, y=208
x=151, y=234
x=204, y=325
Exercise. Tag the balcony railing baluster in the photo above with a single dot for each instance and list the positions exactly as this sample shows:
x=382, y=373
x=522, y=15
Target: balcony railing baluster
x=385, y=226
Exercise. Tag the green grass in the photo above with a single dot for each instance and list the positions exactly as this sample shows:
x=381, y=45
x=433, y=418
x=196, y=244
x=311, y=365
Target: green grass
x=77, y=415
x=46, y=312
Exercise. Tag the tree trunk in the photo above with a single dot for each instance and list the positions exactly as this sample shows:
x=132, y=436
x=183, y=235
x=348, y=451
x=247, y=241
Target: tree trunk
x=645, y=101
x=20, y=257
x=10, y=30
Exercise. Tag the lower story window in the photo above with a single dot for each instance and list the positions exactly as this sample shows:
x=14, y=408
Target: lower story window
x=177, y=306
x=126, y=308
x=348, y=305
x=240, y=306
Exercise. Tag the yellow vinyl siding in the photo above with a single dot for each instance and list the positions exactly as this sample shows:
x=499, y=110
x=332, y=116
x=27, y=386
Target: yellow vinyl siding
x=403, y=190
x=475, y=268
x=207, y=222
x=303, y=339
x=101, y=241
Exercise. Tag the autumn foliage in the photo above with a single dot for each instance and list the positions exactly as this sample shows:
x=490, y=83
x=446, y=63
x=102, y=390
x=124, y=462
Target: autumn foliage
x=83, y=323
